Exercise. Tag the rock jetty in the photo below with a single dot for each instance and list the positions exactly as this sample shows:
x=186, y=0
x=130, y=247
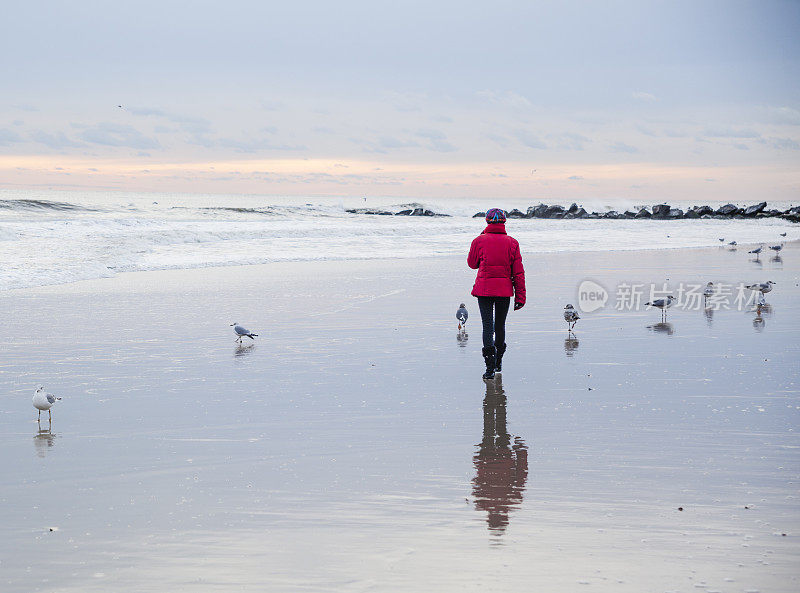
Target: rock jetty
x=657, y=212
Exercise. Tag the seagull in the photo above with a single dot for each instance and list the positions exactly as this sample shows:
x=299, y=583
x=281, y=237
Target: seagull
x=708, y=290
x=776, y=248
x=571, y=317
x=43, y=401
x=763, y=287
x=783, y=234
x=721, y=240
x=757, y=250
x=462, y=315
x=242, y=332
x=662, y=304
x=734, y=243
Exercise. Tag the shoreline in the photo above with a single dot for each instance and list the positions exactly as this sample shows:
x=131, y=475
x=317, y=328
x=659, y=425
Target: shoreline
x=322, y=262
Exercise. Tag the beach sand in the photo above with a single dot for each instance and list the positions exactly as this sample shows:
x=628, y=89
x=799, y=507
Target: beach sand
x=355, y=447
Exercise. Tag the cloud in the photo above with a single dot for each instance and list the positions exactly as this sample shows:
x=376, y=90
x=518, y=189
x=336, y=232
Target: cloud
x=782, y=116
x=438, y=140
x=56, y=140
x=505, y=99
x=784, y=144
x=268, y=105
x=622, y=147
x=501, y=141
x=406, y=102
x=8, y=137
x=569, y=141
x=110, y=134
x=729, y=133
x=530, y=140
x=242, y=145
x=642, y=96
x=193, y=125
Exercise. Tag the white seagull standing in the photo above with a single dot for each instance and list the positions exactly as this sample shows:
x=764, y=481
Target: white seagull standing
x=763, y=288
x=242, y=332
x=776, y=248
x=571, y=317
x=708, y=291
x=44, y=401
x=757, y=250
x=662, y=304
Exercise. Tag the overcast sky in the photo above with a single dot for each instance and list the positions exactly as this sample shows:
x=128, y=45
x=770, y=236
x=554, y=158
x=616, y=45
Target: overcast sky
x=564, y=99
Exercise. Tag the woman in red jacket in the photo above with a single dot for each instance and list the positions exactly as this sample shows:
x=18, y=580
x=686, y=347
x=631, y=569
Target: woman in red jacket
x=497, y=258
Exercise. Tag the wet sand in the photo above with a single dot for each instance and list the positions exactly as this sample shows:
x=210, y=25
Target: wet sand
x=354, y=446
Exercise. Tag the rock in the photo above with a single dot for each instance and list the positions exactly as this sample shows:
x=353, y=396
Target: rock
x=703, y=210
x=691, y=214
x=756, y=209
x=581, y=213
x=572, y=209
x=727, y=210
x=422, y=212
x=538, y=211
x=629, y=214
x=404, y=213
x=479, y=215
x=675, y=213
x=515, y=214
x=613, y=214
x=661, y=211
x=554, y=212
x=369, y=211
x=594, y=216
x=643, y=213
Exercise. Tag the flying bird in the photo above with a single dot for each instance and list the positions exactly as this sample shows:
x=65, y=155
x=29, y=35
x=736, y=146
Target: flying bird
x=242, y=332
x=462, y=315
x=571, y=317
x=44, y=401
x=662, y=304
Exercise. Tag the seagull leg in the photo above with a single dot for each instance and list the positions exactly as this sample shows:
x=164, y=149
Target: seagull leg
x=49, y=416
x=40, y=416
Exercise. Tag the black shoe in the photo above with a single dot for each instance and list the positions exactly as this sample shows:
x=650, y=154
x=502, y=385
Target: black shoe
x=498, y=363
x=489, y=357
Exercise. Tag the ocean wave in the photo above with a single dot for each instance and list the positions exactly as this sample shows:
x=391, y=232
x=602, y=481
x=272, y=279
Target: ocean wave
x=43, y=205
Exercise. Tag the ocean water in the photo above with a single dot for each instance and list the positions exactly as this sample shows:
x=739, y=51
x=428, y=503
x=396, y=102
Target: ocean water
x=50, y=237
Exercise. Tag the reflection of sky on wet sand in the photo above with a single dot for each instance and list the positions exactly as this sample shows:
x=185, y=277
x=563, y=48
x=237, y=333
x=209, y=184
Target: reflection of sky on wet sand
x=339, y=453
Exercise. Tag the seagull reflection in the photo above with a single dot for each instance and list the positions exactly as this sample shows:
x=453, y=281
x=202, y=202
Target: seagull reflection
x=709, y=313
x=761, y=311
x=244, y=349
x=662, y=328
x=462, y=337
x=43, y=439
x=571, y=345
x=501, y=468
x=777, y=259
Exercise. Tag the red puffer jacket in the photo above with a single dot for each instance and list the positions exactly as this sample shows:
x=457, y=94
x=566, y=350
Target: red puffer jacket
x=496, y=257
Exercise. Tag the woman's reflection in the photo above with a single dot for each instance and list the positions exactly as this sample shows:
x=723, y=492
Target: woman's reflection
x=501, y=469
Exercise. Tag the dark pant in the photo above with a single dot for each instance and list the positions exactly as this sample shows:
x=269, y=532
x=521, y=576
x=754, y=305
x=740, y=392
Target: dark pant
x=493, y=315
